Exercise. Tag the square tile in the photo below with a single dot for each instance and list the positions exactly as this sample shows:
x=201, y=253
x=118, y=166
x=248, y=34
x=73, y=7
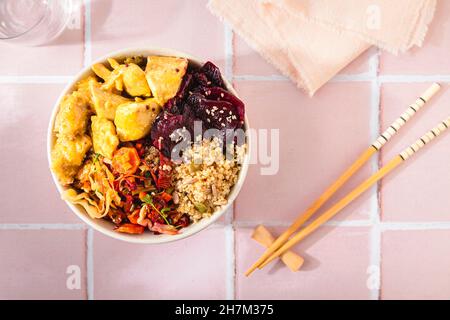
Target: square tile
x=432, y=57
x=62, y=56
x=419, y=189
x=249, y=62
x=336, y=260
x=182, y=25
x=41, y=263
x=318, y=139
x=30, y=195
x=415, y=264
x=192, y=268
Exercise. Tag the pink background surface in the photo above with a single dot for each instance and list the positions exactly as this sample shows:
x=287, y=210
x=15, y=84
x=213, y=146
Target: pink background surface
x=392, y=243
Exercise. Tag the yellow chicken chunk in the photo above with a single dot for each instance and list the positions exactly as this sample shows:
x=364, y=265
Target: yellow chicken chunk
x=114, y=63
x=105, y=103
x=164, y=75
x=104, y=137
x=101, y=71
x=134, y=81
x=73, y=115
x=68, y=155
x=134, y=120
x=83, y=88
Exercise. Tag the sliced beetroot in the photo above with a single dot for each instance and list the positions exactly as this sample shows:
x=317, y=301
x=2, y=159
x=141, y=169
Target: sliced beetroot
x=189, y=118
x=166, y=124
x=201, y=79
x=216, y=114
x=175, y=104
x=213, y=73
x=195, y=99
x=202, y=96
x=185, y=86
x=220, y=94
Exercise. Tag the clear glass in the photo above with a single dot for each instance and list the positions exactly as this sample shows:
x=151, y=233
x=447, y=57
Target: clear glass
x=33, y=22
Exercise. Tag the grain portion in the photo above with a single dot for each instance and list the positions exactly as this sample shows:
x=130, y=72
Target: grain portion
x=206, y=177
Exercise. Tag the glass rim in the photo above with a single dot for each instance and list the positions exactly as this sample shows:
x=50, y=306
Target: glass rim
x=44, y=14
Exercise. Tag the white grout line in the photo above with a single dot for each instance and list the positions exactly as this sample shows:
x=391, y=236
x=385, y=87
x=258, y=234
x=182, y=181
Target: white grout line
x=413, y=78
x=375, y=234
x=384, y=226
x=87, y=54
x=361, y=77
x=349, y=223
x=90, y=263
x=261, y=78
x=87, y=33
x=229, y=228
x=404, y=226
x=34, y=79
x=332, y=223
x=42, y=226
x=285, y=224
x=228, y=32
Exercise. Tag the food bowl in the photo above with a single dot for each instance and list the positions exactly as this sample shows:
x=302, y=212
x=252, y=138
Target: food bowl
x=107, y=227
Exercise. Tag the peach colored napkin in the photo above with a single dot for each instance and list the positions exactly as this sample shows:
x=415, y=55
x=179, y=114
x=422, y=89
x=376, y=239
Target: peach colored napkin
x=310, y=41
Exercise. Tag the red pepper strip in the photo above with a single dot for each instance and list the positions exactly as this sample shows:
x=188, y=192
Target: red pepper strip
x=165, y=196
x=130, y=228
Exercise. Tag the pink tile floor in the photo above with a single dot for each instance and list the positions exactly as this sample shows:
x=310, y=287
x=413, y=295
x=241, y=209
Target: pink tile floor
x=390, y=244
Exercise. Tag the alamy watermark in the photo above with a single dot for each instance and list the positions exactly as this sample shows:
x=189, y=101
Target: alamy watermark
x=73, y=281
x=263, y=149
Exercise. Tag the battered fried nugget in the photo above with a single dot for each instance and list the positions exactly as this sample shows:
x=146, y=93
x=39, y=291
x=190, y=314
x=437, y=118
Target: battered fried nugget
x=104, y=137
x=72, y=117
x=67, y=156
x=105, y=103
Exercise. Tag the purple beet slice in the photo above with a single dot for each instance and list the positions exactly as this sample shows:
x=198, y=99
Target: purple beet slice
x=166, y=124
x=215, y=114
x=201, y=79
x=213, y=73
x=220, y=94
x=185, y=86
x=201, y=97
x=175, y=104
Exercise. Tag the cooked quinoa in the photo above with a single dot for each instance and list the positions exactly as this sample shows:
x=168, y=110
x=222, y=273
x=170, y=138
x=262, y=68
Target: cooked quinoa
x=205, y=178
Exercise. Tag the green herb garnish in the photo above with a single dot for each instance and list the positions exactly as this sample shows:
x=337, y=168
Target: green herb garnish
x=96, y=156
x=149, y=200
x=164, y=210
x=200, y=207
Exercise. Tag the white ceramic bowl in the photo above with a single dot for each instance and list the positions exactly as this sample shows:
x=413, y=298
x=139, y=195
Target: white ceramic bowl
x=106, y=227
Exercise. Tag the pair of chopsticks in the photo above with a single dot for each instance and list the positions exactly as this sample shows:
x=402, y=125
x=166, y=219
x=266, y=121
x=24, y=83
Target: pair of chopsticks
x=284, y=242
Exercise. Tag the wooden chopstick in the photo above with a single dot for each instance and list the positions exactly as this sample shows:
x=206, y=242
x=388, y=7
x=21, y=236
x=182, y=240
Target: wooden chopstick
x=362, y=159
x=394, y=163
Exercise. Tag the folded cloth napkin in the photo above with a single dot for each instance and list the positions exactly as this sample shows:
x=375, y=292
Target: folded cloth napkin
x=310, y=41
